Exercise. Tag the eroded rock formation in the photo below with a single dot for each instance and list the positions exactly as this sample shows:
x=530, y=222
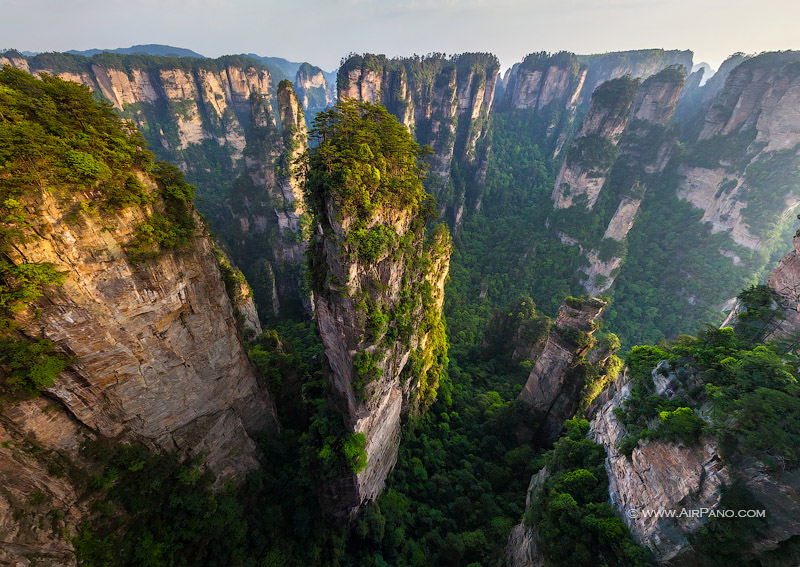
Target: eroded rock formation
x=378, y=284
x=215, y=119
x=160, y=357
x=557, y=383
x=739, y=170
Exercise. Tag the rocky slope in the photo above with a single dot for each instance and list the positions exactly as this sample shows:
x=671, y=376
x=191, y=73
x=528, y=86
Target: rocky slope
x=378, y=284
x=216, y=119
x=445, y=102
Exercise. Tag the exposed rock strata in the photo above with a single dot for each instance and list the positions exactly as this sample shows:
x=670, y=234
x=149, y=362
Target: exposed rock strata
x=379, y=314
x=591, y=155
x=160, y=358
x=643, y=145
x=215, y=119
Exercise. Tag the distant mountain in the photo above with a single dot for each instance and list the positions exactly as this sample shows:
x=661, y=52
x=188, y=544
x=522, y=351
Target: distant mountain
x=149, y=49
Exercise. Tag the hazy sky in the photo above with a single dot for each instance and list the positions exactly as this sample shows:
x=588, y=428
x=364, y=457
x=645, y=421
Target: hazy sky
x=322, y=31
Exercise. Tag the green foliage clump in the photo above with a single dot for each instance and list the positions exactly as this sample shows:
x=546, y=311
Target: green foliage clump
x=354, y=449
x=366, y=371
x=580, y=339
x=593, y=152
x=364, y=159
x=576, y=525
x=159, y=510
x=759, y=312
x=174, y=228
x=753, y=390
x=616, y=96
x=681, y=423
x=54, y=132
x=33, y=364
x=372, y=244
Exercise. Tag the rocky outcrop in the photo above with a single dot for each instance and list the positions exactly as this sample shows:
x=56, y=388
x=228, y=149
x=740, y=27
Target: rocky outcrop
x=645, y=148
x=592, y=154
x=785, y=281
x=215, y=119
x=445, y=102
x=40, y=503
x=555, y=387
x=550, y=87
x=558, y=87
x=697, y=95
x=659, y=476
x=674, y=477
x=638, y=64
x=523, y=547
x=738, y=171
x=378, y=284
x=313, y=89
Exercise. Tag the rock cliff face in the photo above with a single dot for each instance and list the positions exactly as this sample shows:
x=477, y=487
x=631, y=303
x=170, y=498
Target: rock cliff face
x=215, y=119
x=638, y=64
x=556, y=385
x=659, y=476
x=695, y=98
x=378, y=285
x=142, y=328
x=662, y=475
x=445, y=102
x=313, y=89
x=160, y=358
x=739, y=171
x=559, y=87
x=39, y=501
x=592, y=154
x=265, y=231
x=549, y=86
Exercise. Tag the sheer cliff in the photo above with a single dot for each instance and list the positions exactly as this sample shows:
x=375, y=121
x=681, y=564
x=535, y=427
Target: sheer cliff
x=446, y=103
x=116, y=305
x=378, y=283
x=740, y=168
x=558, y=87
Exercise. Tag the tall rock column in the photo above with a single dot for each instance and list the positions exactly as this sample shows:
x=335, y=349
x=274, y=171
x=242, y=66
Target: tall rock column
x=445, y=102
x=645, y=148
x=378, y=283
x=570, y=370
